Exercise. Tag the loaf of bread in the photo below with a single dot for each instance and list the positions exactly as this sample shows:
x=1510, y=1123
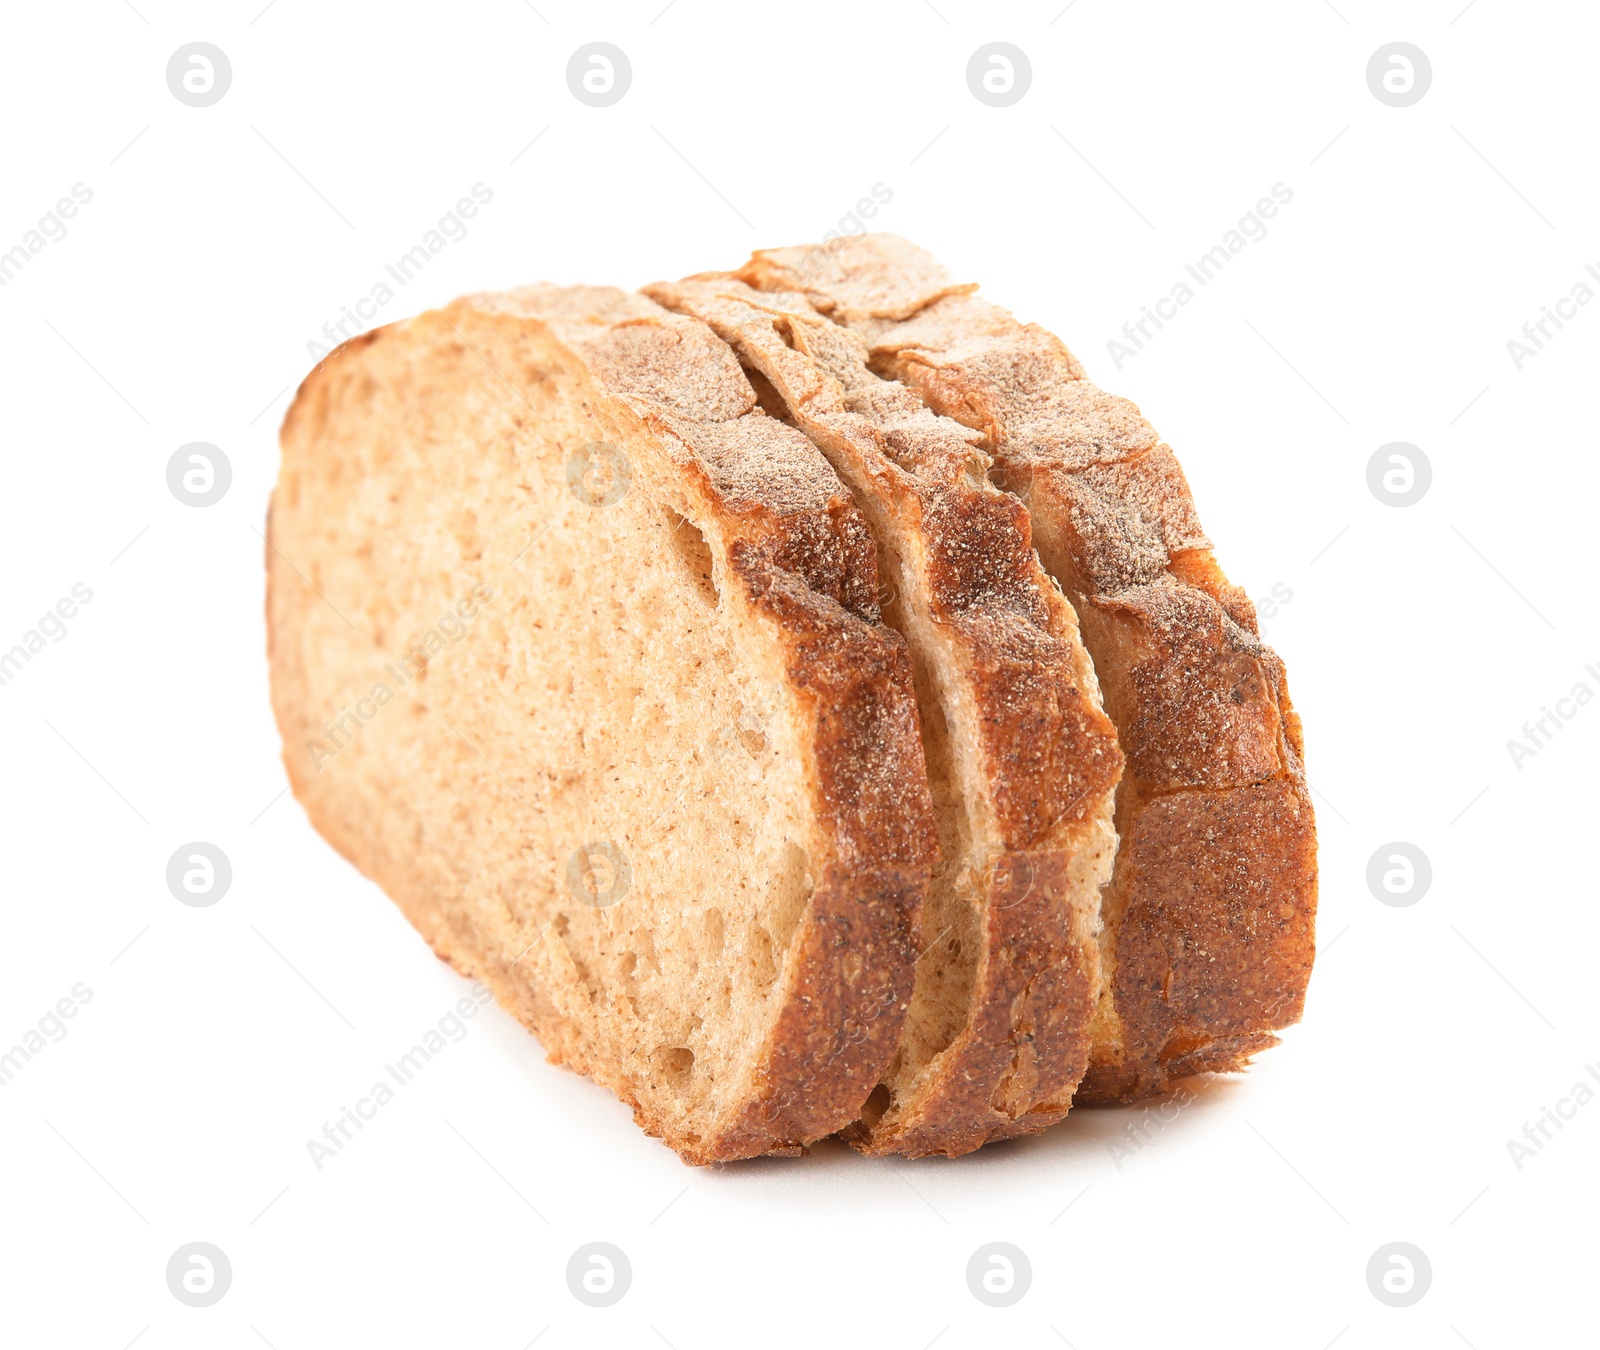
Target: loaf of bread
x=751, y=680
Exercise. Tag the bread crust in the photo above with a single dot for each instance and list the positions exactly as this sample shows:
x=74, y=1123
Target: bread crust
x=998, y=651
x=1209, y=919
x=798, y=568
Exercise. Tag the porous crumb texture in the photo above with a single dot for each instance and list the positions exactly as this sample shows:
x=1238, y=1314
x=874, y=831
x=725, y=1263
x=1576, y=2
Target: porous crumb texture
x=1208, y=921
x=1021, y=758
x=578, y=654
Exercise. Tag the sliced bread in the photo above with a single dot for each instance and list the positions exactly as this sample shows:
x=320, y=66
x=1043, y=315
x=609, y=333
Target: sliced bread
x=578, y=654
x=1021, y=758
x=1208, y=922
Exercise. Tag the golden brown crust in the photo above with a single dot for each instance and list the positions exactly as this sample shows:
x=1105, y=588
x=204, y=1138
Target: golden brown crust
x=1215, y=886
x=1013, y=1068
x=805, y=570
x=1049, y=764
x=842, y=1020
x=1216, y=893
x=1194, y=694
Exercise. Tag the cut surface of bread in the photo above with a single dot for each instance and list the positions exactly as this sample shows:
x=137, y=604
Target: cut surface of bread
x=1022, y=760
x=578, y=654
x=1208, y=932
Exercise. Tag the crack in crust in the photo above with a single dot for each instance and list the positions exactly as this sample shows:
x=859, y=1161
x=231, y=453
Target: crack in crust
x=998, y=655
x=1209, y=917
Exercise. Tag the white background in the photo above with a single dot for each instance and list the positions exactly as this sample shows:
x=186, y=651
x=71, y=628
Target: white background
x=179, y=307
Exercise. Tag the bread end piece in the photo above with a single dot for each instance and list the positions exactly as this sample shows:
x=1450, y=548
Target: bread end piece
x=642, y=760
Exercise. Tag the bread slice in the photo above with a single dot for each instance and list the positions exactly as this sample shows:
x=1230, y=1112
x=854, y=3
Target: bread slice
x=1208, y=922
x=578, y=654
x=1021, y=758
